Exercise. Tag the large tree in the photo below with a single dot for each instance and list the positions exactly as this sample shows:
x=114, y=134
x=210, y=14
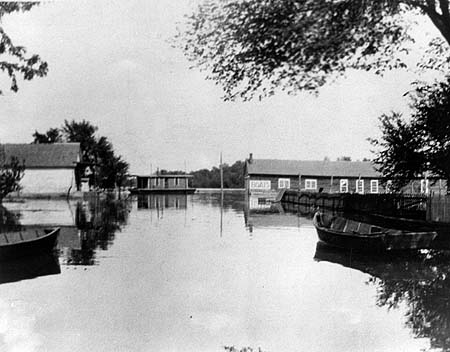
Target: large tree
x=14, y=60
x=420, y=144
x=252, y=47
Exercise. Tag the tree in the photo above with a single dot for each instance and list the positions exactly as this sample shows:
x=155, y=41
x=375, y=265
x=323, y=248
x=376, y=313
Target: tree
x=10, y=175
x=82, y=132
x=251, y=47
x=233, y=176
x=53, y=135
x=14, y=60
x=408, y=149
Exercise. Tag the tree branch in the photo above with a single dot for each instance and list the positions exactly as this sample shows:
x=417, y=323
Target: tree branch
x=443, y=4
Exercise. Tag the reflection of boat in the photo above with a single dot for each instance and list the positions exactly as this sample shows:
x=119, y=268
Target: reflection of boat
x=29, y=267
x=28, y=241
x=389, y=266
x=346, y=233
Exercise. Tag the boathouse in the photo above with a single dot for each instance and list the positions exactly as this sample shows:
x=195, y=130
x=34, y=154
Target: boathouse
x=49, y=168
x=314, y=176
x=272, y=175
x=162, y=184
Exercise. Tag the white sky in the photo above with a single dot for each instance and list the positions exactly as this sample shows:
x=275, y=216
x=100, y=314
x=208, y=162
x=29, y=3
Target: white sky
x=110, y=63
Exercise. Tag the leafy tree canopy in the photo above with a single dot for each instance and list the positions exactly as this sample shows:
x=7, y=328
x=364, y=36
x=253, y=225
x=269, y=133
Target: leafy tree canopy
x=14, y=60
x=251, y=47
x=409, y=148
x=233, y=176
x=53, y=135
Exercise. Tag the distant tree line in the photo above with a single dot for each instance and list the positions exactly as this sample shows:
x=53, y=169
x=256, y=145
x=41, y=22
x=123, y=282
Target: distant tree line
x=233, y=176
x=107, y=170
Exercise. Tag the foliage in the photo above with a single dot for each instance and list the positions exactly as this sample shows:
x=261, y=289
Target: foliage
x=408, y=149
x=10, y=175
x=233, y=176
x=251, y=47
x=110, y=170
x=14, y=60
x=53, y=135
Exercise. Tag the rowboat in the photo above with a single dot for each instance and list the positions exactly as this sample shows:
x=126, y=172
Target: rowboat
x=350, y=234
x=28, y=241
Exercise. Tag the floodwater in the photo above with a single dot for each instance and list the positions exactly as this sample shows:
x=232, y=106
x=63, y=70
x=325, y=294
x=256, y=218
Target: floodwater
x=194, y=273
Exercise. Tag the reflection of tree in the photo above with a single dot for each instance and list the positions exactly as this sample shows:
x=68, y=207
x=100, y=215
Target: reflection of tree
x=98, y=219
x=420, y=281
x=427, y=296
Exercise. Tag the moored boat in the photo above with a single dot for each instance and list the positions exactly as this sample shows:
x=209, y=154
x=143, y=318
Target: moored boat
x=346, y=233
x=28, y=241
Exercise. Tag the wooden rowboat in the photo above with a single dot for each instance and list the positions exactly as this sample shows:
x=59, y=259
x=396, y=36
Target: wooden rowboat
x=345, y=233
x=29, y=241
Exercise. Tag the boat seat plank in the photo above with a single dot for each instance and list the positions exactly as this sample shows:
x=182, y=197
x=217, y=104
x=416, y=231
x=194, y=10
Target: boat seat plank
x=365, y=229
x=352, y=226
x=338, y=224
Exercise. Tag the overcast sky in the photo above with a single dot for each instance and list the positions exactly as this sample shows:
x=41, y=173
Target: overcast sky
x=110, y=63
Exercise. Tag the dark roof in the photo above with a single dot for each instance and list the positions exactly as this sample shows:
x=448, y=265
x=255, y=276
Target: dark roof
x=57, y=155
x=311, y=168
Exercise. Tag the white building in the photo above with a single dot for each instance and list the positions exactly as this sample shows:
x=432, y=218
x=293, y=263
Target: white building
x=49, y=168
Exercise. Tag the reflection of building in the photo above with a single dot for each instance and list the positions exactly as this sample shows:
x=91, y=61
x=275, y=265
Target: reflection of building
x=158, y=201
x=163, y=184
x=49, y=168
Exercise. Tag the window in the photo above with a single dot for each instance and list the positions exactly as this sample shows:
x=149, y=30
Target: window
x=360, y=186
x=424, y=186
x=177, y=181
x=373, y=186
x=310, y=184
x=284, y=183
x=389, y=186
x=343, y=186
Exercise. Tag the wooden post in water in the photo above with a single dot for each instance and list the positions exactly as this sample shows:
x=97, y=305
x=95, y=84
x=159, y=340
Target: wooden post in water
x=221, y=195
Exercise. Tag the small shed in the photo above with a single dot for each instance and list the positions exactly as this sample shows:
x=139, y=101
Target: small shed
x=49, y=168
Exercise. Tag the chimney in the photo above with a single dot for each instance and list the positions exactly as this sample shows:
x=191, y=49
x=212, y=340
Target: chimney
x=250, y=158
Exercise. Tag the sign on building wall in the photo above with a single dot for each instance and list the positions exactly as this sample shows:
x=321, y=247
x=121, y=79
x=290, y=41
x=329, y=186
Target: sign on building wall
x=259, y=185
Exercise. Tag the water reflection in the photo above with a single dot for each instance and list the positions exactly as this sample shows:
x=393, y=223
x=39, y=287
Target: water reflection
x=420, y=281
x=29, y=267
x=86, y=225
x=97, y=221
x=161, y=201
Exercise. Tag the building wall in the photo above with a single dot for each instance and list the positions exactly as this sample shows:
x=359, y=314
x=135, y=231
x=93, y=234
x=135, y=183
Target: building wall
x=48, y=181
x=328, y=184
x=333, y=185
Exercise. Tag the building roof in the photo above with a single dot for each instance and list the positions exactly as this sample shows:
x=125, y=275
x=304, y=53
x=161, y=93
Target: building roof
x=311, y=168
x=57, y=155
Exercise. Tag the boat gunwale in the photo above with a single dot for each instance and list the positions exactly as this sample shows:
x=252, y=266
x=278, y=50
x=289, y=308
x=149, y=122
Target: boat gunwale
x=46, y=235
